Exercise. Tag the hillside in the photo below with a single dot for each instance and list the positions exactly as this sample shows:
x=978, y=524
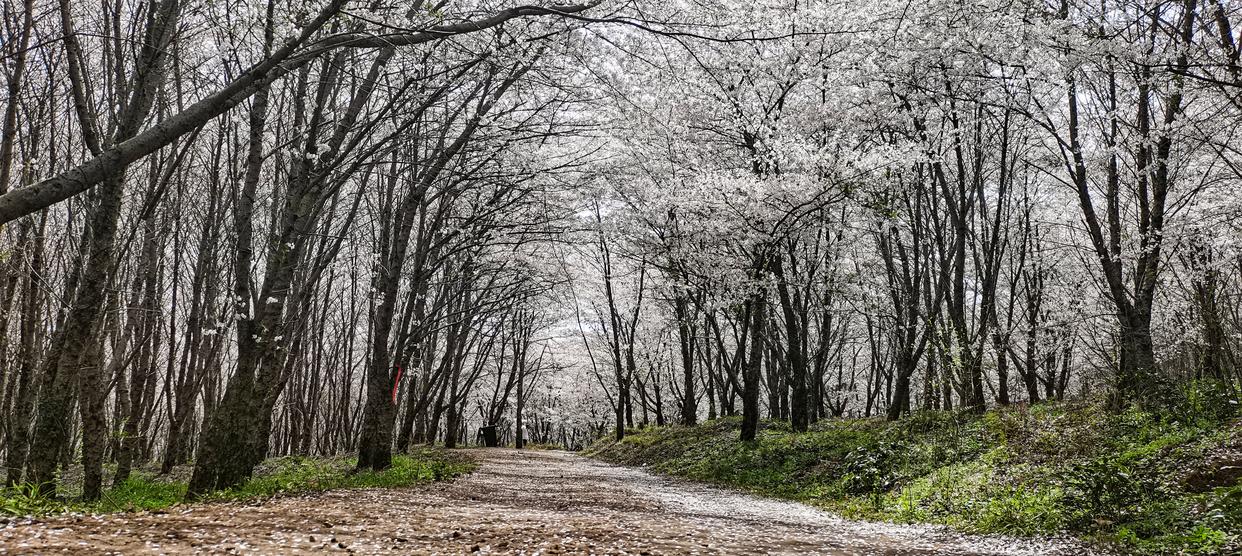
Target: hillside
x=1134, y=481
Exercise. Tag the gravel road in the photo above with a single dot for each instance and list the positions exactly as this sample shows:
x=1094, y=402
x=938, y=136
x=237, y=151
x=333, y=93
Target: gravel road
x=516, y=502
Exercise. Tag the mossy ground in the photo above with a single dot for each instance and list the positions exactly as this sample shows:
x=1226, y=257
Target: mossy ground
x=146, y=490
x=1140, y=482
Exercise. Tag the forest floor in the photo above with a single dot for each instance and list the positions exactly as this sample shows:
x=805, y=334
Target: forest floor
x=524, y=502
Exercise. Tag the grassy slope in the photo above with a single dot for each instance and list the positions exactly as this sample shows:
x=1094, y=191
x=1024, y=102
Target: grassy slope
x=279, y=476
x=1147, y=484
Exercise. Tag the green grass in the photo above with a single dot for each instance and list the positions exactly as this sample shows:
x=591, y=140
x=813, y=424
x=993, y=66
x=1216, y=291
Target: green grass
x=274, y=477
x=299, y=475
x=1118, y=479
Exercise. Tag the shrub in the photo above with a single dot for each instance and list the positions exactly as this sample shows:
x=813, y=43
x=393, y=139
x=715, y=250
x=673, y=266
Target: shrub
x=871, y=469
x=27, y=499
x=1023, y=510
x=1095, y=487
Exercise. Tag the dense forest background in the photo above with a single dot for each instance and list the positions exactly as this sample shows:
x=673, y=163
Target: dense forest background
x=236, y=230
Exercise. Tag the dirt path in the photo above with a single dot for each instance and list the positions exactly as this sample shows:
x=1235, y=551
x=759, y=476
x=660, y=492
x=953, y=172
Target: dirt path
x=529, y=502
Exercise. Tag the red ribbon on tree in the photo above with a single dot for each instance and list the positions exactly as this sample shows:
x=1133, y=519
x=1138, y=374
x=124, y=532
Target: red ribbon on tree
x=395, y=384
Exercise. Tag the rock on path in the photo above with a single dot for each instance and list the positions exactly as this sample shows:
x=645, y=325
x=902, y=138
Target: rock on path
x=516, y=502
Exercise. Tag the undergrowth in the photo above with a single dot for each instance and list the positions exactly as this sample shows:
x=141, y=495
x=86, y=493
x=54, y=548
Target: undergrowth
x=274, y=477
x=1138, y=481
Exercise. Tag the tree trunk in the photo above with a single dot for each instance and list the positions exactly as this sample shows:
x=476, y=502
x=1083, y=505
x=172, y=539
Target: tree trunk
x=685, y=334
x=795, y=354
x=18, y=423
x=751, y=374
